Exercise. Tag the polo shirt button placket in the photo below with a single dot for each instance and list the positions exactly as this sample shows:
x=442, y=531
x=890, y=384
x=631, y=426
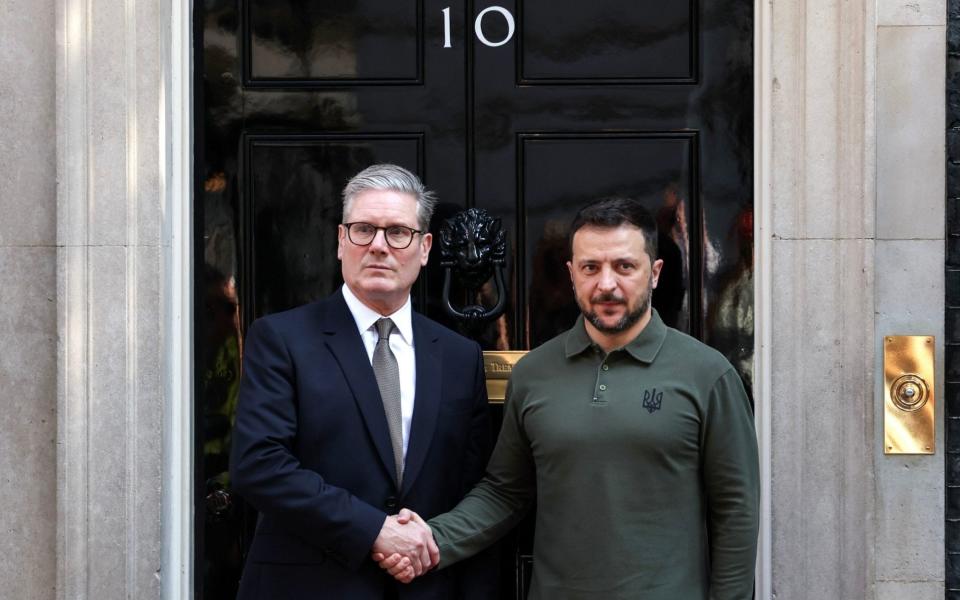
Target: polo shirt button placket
x=598, y=386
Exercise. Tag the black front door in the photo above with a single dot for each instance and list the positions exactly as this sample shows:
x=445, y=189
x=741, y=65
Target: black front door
x=527, y=108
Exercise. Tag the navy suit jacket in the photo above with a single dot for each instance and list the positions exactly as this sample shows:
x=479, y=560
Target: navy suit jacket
x=312, y=453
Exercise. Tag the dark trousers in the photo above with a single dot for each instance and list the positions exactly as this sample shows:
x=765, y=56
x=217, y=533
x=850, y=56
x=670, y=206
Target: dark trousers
x=391, y=593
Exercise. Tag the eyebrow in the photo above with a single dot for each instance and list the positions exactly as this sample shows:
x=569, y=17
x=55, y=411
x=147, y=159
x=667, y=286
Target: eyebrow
x=622, y=259
x=389, y=225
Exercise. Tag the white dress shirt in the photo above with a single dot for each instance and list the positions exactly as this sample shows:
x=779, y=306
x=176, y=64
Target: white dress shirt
x=401, y=343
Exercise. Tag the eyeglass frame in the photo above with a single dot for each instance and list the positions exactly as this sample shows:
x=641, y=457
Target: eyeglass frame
x=377, y=230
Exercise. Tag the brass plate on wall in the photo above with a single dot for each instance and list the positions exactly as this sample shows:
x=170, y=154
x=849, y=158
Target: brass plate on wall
x=908, y=397
x=498, y=364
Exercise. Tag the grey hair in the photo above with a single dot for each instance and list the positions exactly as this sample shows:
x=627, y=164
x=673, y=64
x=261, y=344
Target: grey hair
x=393, y=178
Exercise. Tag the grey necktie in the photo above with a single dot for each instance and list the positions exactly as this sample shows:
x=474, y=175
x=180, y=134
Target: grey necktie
x=388, y=380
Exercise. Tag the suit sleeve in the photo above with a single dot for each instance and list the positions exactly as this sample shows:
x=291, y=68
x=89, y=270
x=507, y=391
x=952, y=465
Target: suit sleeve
x=265, y=469
x=499, y=501
x=732, y=484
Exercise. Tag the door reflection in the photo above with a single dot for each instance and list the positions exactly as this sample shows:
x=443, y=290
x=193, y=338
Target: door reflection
x=220, y=384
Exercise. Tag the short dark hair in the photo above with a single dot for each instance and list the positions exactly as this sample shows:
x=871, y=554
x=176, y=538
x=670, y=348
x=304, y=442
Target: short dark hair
x=614, y=211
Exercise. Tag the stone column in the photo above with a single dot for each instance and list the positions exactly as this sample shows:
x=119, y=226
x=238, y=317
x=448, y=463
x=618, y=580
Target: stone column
x=109, y=73
x=822, y=397
x=857, y=253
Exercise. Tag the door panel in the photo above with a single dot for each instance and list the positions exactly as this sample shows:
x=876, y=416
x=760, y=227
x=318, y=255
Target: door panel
x=607, y=41
x=292, y=208
x=576, y=101
x=344, y=42
x=641, y=165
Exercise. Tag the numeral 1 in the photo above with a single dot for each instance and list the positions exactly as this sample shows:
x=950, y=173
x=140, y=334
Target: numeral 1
x=446, y=27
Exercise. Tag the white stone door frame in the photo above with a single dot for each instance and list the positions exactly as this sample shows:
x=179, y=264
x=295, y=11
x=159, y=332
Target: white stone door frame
x=177, y=144
x=178, y=456
x=762, y=281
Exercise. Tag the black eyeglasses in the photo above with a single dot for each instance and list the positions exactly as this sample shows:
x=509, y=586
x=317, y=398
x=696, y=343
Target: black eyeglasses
x=398, y=236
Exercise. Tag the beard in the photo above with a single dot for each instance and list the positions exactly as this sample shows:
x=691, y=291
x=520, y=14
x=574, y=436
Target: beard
x=626, y=321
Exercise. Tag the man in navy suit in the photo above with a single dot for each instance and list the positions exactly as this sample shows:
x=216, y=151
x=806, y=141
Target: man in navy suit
x=353, y=406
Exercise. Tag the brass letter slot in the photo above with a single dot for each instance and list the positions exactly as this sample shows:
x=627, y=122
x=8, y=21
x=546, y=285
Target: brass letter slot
x=498, y=364
x=908, y=398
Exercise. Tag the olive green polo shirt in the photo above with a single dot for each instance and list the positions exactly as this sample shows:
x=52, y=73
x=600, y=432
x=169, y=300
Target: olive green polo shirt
x=643, y=464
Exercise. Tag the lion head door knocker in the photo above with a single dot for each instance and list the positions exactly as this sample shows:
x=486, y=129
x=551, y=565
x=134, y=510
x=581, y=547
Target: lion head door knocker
x=473, y=248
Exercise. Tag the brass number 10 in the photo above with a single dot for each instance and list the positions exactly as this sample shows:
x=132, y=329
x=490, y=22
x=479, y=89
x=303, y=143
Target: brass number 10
x=478, y=26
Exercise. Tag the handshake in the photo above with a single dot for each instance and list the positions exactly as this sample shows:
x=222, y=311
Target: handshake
x=405, y=547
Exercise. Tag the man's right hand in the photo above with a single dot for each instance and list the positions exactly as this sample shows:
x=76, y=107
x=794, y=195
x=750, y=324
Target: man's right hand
x=405, y=546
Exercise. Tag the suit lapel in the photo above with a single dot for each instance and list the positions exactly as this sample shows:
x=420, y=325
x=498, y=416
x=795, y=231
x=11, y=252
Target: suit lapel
x=426, y=401
x=343, y=339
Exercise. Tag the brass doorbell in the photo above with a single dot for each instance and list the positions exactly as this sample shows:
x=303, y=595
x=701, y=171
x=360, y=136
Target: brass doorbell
x=908, y=398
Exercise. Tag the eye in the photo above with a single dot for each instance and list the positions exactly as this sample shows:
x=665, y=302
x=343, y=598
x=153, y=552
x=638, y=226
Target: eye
x=589, y=269
x=399, y=236
x=363, y=228
x=627, y=267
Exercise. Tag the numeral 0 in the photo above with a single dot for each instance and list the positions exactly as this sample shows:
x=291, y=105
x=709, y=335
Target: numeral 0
x=478, y=26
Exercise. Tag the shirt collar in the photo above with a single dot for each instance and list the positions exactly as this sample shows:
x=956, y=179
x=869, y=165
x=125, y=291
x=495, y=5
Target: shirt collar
x=644, y=347
x=365, y=316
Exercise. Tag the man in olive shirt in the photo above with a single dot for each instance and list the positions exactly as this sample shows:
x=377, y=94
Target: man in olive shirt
x=635, y=440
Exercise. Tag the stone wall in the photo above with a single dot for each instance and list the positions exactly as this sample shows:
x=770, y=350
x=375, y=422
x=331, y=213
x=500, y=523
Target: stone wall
x=856, y=237
x=910, y=41
x=28, y=300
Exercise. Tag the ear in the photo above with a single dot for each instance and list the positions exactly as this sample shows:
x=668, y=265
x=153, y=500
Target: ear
x=426, y=242
x=570, y=270
x=341, y=240
x=655, y=271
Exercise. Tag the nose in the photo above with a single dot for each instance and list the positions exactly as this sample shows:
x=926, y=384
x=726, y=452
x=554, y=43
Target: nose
x=379, y=243
x=473, y=256
x=607, y=280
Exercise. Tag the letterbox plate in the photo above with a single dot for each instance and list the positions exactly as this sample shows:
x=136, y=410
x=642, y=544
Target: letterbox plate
x=498, y=364
x=908, y=394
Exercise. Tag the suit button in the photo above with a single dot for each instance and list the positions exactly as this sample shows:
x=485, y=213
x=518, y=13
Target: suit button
x=391, y=502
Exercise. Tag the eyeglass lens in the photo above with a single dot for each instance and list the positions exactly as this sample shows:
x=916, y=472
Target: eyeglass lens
x=397, y=236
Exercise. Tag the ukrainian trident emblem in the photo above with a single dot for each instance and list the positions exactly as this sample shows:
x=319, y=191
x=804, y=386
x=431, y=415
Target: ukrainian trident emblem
x=652, y=400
